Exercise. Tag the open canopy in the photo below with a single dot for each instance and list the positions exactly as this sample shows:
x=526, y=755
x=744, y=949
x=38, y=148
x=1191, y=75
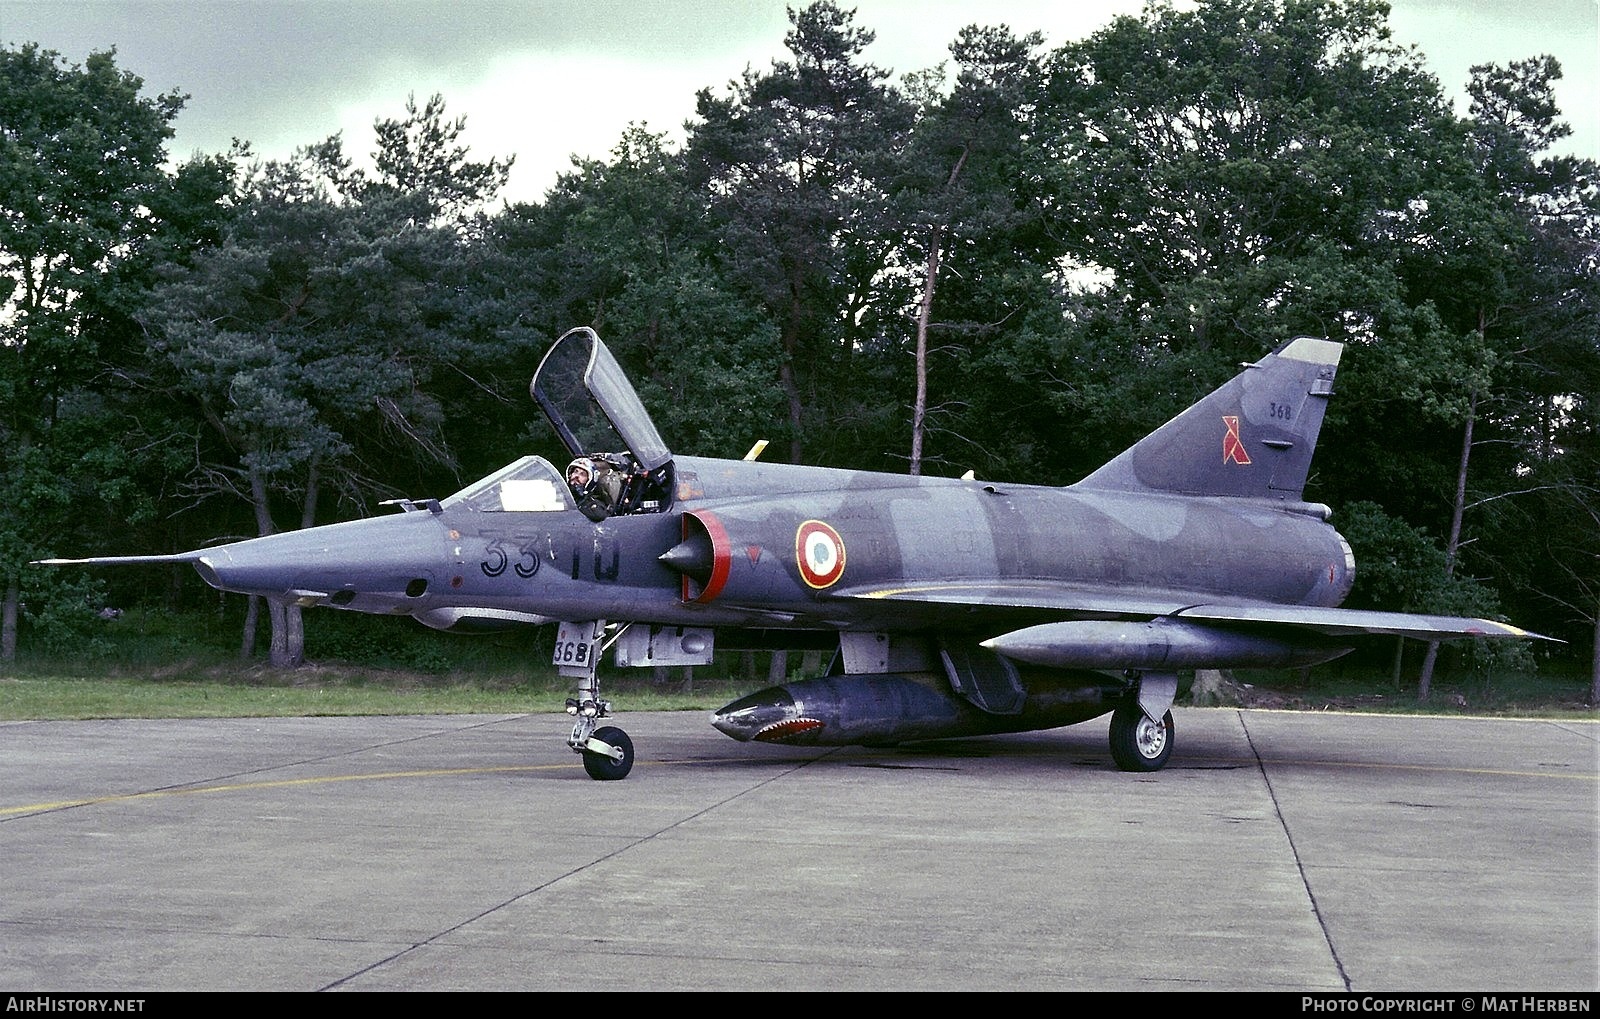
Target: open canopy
x=591, y=403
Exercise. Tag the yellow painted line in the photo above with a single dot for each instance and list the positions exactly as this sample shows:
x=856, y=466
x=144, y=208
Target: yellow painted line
x=1179, y=764
x=891, y=592
x=289, y=782
x=274, y=784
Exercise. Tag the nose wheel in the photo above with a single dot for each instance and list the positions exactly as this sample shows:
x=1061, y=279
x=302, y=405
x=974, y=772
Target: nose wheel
x=606, y=750
x=608, y=754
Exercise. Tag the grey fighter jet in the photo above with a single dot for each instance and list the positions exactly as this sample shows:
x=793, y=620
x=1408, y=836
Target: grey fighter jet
x=951, y=606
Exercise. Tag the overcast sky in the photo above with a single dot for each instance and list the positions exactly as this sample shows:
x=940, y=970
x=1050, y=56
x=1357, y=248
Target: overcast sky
x=546, y=79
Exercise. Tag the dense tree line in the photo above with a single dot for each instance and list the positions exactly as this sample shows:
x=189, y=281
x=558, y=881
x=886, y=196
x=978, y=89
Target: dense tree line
x=1016, y=263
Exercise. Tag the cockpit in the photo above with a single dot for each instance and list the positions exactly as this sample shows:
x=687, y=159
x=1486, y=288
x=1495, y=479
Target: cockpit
x=592, y=406
x=533, y=485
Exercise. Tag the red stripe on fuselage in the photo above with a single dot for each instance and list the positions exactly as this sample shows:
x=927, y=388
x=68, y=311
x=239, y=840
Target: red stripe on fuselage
x=721, y=556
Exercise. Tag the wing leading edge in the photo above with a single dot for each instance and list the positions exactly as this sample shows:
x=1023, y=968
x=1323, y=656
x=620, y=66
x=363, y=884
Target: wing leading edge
x=1336, y=622
x=1091, y=603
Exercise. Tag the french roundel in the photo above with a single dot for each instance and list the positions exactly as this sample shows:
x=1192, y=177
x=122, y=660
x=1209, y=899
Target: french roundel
x=820, y=553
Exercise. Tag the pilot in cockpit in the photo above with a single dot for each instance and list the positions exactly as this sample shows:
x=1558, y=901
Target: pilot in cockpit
x=596, y=484
x=580, y=477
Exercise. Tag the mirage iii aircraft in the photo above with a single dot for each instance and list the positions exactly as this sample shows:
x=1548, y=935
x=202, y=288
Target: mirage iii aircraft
x=951, y=606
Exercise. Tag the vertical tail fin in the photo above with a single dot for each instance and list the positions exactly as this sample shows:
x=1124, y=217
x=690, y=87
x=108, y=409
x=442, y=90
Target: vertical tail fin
x=1251, y=438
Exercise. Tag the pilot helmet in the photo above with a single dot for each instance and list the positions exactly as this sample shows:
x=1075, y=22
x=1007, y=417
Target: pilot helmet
x=586, y=465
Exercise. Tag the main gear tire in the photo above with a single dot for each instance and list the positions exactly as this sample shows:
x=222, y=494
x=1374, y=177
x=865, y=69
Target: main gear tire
x=1137, y=743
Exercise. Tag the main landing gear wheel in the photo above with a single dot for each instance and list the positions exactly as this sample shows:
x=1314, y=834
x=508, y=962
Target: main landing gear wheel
x=604, y=767
x=1137, y=743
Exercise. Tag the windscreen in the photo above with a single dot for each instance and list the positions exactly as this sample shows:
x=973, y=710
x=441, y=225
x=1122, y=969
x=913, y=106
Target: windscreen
x=530, y=484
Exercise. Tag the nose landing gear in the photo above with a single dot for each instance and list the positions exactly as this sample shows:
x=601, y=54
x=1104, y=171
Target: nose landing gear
x=606, y=750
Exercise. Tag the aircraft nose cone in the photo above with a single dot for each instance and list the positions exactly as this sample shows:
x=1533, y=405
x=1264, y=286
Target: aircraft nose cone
x=265, y=566
x=391, y=555
x=769, y=716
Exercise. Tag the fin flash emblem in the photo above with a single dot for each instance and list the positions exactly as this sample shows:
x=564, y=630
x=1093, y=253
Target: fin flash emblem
x=1232, y=446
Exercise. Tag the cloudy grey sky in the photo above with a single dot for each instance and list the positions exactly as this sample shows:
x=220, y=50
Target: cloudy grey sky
x=544, y=80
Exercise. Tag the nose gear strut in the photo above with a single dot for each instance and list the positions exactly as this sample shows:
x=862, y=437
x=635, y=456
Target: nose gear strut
x=606, y=750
